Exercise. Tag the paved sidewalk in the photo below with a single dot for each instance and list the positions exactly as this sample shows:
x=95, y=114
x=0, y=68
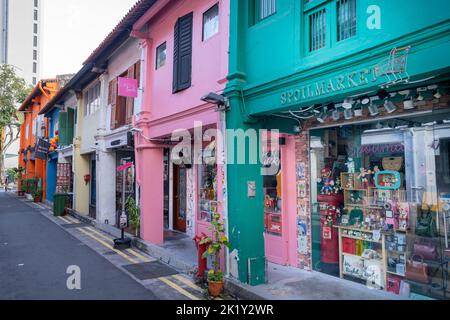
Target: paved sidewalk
x=287, y=283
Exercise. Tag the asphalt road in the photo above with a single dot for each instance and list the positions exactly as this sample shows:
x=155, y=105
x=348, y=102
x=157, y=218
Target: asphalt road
x=35, y=254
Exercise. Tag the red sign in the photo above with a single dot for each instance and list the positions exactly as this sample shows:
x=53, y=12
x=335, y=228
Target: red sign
x=125, y=166
x=128, y=87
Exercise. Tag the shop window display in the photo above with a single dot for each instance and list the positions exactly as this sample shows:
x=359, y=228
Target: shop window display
x=273, y=199
x=208, y=184
x=383, y=205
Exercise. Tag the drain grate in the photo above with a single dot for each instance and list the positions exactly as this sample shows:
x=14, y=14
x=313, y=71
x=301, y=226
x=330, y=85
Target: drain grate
x=110, y=253
x=150, y=270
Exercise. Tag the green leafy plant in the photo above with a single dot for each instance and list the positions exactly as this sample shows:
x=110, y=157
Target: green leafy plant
x=215, y=244
x=134, y=213
x=36, y=193
x=13, y=174
x=13, y=91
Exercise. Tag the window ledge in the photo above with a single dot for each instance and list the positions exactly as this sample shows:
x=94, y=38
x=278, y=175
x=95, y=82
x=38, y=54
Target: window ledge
x=313, y=4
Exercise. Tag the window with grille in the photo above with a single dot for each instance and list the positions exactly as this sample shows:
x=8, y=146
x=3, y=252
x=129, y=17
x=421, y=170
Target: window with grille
x=317, y=30
x=265, y=8
x=346, y=19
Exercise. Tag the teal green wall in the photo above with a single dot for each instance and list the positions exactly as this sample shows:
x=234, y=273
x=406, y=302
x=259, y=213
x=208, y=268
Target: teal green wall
x=271, y=57
x=273, y=53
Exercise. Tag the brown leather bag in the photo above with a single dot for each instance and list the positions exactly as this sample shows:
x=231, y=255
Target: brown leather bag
x=426, y=248
x=417, y=270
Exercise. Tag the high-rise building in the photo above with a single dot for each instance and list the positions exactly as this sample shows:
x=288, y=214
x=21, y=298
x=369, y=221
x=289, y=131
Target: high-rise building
x=20, y=46
x=20, y=40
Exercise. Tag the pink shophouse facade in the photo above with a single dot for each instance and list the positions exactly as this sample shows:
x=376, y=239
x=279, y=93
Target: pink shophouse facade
x=184, y=57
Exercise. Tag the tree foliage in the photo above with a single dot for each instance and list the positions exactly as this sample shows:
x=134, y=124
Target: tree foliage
x=13, y=91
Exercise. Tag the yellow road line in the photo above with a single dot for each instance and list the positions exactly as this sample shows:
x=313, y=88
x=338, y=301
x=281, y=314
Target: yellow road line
x=65, y=220
x=178, y=288
x=187, y=282
x=138, y=255
x=72, y=219
x=131, y=251
x=132, y=260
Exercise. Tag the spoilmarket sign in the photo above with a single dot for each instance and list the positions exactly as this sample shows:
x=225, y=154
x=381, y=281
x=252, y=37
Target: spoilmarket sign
x=336, y=84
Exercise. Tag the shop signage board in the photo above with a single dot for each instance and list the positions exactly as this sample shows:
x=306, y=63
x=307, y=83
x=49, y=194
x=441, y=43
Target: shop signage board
x=128, y=87
x=41, y=150
x=125, y=166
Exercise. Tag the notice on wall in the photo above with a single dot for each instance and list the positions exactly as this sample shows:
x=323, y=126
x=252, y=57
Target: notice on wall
x=302, y=227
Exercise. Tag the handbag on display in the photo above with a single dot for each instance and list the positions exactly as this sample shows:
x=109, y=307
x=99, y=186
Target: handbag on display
x=417, y=270
x=426, y=248
x=426, y=225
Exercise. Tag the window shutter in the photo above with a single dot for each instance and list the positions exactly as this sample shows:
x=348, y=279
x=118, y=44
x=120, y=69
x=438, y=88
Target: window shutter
x=182, y=60
x=62, y=128
x=112, y=100
x=130, y=101
x=137, y=72
x=70, y=125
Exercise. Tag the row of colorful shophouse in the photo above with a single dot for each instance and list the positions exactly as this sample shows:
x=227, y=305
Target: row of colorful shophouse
x=319, y=130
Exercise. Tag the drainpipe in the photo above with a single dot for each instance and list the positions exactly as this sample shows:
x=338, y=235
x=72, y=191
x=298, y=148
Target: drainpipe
x=224, y=152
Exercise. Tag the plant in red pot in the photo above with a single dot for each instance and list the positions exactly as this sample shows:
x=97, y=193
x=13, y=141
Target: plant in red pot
x=37, y=195
x=215, y=245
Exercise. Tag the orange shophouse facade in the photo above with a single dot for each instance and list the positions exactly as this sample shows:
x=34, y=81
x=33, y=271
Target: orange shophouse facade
x=33, y=128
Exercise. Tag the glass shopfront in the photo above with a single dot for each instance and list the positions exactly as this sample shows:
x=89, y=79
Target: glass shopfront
x=207, y=175
x=381, y=199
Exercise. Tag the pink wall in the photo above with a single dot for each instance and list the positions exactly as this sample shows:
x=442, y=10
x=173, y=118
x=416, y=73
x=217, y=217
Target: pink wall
x=162, y=112
x=209, y=65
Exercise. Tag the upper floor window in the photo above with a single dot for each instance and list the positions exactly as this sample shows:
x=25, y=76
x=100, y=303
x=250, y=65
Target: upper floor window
x=122, y=108
x=161, y=55
x=318, y=30
x=92, y=99
x=211, y=22
x=346, y=19
x=35, y=15
x=265, y=8
x=329, y=22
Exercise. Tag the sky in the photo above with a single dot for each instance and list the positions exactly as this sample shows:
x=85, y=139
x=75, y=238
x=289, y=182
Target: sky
x=72, y=29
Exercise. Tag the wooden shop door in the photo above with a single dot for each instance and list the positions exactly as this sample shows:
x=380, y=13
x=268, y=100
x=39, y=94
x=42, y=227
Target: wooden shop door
x=179, y=198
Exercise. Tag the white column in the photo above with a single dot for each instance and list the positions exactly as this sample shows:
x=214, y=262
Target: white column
x=106, y=185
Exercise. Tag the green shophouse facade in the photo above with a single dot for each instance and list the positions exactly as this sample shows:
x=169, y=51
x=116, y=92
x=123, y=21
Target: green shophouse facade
x=289, y=58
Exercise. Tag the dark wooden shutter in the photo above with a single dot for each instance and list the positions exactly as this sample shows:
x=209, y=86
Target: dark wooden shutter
x=70, y=125
x=130, y=101
x=62, y=130
x=112, y=100
x=182, y=56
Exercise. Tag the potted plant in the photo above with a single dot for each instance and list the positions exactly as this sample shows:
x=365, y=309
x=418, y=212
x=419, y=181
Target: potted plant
x=23, y=189
x=37, y=194
x=134, y=214
x=215, y=246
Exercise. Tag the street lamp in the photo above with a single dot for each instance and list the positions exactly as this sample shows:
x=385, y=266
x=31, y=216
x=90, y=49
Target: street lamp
x=221, y=101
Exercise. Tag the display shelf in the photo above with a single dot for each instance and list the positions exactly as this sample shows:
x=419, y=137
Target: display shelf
x=362, y=239
x=396, y=274
x=360, y=257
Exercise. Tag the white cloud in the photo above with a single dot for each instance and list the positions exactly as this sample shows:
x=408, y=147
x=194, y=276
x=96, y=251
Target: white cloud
x=72, y=29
